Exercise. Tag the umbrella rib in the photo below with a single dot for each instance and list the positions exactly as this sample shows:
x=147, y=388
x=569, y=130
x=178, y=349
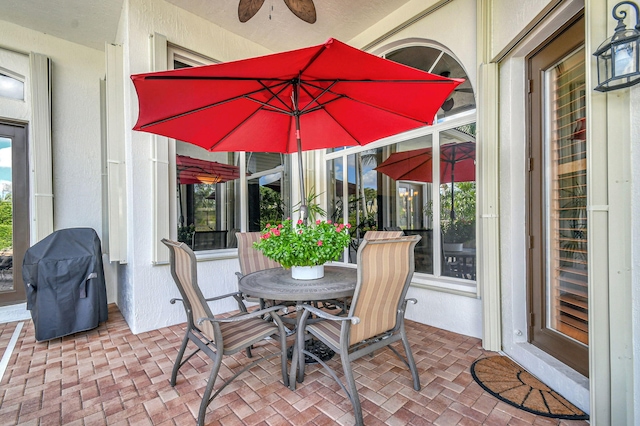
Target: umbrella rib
x=340, y=96
x=286, y=108
x=202, y=108
x=315, y=99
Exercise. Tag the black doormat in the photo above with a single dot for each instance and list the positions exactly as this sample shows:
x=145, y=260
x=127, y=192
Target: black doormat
x=510, y=383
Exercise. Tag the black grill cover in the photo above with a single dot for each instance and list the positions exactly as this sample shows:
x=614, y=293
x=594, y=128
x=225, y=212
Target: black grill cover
x=64, y=281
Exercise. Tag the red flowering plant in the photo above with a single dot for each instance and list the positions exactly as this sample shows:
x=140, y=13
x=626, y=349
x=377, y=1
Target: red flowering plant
x=303, y=244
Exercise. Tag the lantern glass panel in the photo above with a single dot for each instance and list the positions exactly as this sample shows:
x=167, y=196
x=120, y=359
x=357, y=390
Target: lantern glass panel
x=604, y=66
x=625, y=59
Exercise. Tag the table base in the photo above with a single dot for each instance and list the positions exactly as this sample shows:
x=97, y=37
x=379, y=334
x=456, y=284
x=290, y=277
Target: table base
x=317, y=348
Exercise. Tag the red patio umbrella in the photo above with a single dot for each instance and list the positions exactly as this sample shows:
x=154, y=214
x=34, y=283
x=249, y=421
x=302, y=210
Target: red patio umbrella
x=330, y=95
x=457, y=164
x=195, y=170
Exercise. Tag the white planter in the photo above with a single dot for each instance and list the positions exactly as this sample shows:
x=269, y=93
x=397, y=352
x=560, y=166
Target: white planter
x=307, y=272
x=453, y=246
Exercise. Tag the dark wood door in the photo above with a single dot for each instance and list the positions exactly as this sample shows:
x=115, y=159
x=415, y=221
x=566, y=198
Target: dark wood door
x=557, y=195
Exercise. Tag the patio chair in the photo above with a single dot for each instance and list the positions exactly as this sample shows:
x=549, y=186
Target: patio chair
x=251, y=259
x=217, y=337
x=376, y=315
x=382, y=235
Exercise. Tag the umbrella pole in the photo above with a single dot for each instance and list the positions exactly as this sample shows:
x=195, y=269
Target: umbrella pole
x=304, y=212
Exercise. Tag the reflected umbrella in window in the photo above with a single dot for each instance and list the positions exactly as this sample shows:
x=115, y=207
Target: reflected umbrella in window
x=197, y=171
x=457, y=164
x=194, y=170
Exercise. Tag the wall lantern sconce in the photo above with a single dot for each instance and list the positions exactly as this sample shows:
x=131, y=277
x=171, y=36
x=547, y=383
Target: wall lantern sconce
x=618, y=56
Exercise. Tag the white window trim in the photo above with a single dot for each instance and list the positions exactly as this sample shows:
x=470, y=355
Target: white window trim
x=41, y=157
x=115, y=150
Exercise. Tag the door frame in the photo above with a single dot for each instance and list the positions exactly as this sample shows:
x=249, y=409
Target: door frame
x=19, y=134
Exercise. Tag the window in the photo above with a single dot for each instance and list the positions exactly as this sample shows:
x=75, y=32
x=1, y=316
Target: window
x=397, y=185
x=209, y=187
x=11, y=87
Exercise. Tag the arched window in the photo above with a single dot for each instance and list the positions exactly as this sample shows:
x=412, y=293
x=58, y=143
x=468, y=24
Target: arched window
x=437, y=60
x=394, y=184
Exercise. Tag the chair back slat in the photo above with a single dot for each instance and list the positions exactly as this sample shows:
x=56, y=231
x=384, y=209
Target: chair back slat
x=382, y=235
x=385, y=269
x=184, y=272
x=252, y=260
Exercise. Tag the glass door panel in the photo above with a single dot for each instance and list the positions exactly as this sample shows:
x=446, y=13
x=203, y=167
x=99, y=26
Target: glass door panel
x=14, y=211
x=565, y=213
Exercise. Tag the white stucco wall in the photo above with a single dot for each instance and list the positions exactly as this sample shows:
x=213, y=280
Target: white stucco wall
x=452, y=312
x=144, y=289
x=76, y=137
x=510, y=20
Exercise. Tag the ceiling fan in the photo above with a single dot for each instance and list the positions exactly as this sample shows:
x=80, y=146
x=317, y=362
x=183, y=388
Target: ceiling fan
x=303, y=9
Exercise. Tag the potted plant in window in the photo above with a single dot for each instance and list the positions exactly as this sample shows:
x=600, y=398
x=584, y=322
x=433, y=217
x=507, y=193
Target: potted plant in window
x=304, y=248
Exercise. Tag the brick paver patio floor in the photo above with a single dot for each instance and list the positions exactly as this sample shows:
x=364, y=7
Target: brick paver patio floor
x=111, y=376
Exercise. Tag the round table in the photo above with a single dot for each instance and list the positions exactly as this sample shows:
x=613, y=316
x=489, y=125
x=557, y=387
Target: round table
x=277, y=284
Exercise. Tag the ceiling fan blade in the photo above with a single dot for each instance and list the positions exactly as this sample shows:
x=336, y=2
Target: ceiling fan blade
x=303, y=9
x=248, y=8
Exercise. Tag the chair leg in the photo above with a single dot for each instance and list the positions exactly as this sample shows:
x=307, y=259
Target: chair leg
x=176, y=365
x=294, y=367
x=410, y=360
x=283, y=357
x=351, y=385
x=300, y=339
x=207, y=393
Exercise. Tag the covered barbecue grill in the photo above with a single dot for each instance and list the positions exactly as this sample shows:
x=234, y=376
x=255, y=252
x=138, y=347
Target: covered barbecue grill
x=64, y=280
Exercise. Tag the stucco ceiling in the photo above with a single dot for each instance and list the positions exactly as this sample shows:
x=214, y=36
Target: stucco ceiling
x=92, y=23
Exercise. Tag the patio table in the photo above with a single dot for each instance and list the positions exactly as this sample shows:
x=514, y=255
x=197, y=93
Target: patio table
x=463, y=261
x=276, y=284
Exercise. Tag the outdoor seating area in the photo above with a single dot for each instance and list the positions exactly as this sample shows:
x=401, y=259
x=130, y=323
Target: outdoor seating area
x=111, y=376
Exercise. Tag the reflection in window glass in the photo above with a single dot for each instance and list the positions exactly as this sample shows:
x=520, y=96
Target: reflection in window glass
x=458, y=201
x=206, y=183
x=11, y=88
x=409, y=168
x=268, y=189
x=395, y=187
x=363, y=194
x=335, y=192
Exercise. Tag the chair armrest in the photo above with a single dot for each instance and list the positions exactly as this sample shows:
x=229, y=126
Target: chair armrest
x=173, y=301
x=243, y=317
x=224, y=296
x=322, y=314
